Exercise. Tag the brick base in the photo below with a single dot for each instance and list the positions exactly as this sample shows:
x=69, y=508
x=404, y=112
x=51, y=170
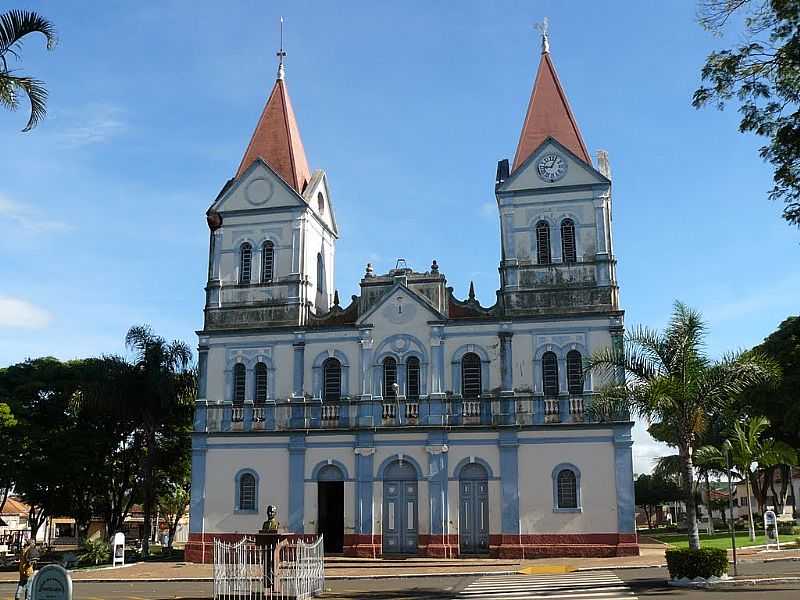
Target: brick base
x=200, y=548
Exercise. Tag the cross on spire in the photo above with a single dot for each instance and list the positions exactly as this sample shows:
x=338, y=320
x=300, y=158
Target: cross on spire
x=544, y=29
x=281, y=54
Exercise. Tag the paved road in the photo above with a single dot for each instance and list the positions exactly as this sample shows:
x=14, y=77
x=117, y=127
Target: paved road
x=642, y=584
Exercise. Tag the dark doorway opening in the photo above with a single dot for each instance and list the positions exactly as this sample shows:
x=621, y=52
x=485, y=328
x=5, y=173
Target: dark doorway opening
x=330, y=514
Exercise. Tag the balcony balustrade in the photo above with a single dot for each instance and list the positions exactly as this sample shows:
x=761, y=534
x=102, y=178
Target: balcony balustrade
x=374, y=413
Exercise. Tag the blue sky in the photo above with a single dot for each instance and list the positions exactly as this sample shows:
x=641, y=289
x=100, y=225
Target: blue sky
x=408, y=106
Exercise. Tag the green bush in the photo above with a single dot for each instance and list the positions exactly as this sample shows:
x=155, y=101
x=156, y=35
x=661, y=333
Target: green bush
x=95, y=552
x=787, y=529
x=705, y=562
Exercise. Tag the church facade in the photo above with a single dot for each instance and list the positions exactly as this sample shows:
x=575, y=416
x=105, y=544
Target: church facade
x=409, y=421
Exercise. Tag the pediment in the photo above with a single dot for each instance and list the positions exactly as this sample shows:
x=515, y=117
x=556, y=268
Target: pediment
x=259, y=187
x=578, y=172
x=400, y=307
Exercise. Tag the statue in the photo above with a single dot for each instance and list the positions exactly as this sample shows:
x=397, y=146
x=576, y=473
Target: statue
x=271, y=525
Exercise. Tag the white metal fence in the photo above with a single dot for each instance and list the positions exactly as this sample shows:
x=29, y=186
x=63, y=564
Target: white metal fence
x=239, y=570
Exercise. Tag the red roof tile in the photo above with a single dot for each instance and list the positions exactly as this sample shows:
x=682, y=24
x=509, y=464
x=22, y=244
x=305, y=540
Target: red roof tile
x=549, y=115
x=276, y=140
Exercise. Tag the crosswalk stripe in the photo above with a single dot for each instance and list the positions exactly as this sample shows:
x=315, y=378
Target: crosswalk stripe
x=600, y=585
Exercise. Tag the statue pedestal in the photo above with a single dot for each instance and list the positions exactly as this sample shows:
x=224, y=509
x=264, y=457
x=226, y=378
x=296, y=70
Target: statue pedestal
x=266, y=542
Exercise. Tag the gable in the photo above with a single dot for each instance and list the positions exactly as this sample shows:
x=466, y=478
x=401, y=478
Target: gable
x=399, y=308
x=318, y=187
x=526, y=177
x=259, y=187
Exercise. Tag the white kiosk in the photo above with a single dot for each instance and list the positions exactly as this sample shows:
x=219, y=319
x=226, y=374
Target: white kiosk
x=118, y=549
x=51, y=582
x=771, y=528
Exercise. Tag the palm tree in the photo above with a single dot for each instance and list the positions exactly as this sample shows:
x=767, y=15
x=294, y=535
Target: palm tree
x=163, y=382
x=747, y=448
x=15, y=25
x=666, y=378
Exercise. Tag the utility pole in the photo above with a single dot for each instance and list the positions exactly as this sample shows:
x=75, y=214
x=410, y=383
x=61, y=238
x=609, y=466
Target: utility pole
x=727, y=447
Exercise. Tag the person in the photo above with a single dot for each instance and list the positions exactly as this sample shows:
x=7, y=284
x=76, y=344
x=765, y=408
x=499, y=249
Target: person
x=26, y=560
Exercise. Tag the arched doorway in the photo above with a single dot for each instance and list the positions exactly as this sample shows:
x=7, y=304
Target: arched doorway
x=400, y=515
x=473, y=502
x=330, y=507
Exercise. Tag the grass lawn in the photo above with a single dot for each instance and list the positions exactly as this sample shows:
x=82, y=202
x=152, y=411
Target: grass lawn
x=716, y=540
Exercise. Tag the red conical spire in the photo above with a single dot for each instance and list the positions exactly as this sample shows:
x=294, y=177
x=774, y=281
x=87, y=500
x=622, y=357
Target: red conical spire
x=276, y=139
x=549, y=115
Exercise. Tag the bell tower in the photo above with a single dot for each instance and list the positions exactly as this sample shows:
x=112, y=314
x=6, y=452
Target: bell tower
x=555, y=212
x=273, y=229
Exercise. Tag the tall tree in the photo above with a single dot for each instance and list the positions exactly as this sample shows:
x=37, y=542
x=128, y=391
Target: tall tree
x=669, y=380
x=652, y=491
x=161, y=384
x=761, y=73
x=749, y=447
x=14, y=26
x=8, y=457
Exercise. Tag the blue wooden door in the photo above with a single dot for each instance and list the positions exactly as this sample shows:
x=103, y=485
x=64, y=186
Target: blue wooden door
x=474, y=510
x=400, y=512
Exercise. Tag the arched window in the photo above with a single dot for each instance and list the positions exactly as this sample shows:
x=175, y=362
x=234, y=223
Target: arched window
x=261, y=383
x=247, y=492
x=574, y=373
x=321, y=203
x=389, y=377
x=568, y=250
x=543, y=243
x=566, y=489
x=412, y=378
x=267, y=261
x=550, y=374
x=239, y=374
x=332, y=380
x=471, y=383
x=245, y=262
x=320, y=274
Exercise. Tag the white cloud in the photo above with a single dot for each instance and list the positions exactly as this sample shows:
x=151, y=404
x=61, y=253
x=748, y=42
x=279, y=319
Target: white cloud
x=775, y=295
x=646, y=450
x=17, y=313
x=27, y=218
x=94, y=124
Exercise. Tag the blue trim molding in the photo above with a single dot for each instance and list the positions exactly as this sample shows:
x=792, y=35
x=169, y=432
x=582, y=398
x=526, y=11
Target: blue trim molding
x=623, y=476
x=297, y=460
x=198, y=499
x=437, y=480
x=403, y=458
x=324, y=463
x=365, y=454
x=236, y=504
x=509, y=481
x=468, y=461
x=554, y=475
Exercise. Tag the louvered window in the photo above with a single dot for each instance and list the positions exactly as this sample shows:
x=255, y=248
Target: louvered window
x=543, y=243
x=267, y=262
x=574, y=372
x=567, y=485
x=261, y=383
x=332, y=376
x=568, y=251
x=471, y=384
x=550, y=374
x=239, y=376
x=245, y=262
x=247, y=492
x=412, y=378
x=389, y=377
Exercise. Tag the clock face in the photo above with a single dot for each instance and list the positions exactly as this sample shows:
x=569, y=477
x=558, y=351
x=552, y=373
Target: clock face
x=551, y=167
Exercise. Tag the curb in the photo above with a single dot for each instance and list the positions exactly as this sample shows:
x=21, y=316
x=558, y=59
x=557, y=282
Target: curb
x=759, y=581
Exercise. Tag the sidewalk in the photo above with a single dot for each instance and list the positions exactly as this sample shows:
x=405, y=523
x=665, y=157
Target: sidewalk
x=652, y=554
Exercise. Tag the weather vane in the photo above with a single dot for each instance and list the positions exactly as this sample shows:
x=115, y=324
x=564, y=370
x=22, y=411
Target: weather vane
x=281, y=54
x=544, y=29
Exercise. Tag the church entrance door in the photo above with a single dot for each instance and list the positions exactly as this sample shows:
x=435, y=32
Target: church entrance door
x=474, y=509
x=400, y=515
x=330, y=508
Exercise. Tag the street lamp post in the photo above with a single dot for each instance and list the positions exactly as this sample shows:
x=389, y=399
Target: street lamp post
x=727, y=447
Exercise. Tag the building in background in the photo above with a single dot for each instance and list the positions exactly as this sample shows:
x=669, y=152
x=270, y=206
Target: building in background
x=409, y=421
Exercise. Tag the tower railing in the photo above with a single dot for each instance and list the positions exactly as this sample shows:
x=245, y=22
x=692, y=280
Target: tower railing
x=297, y=414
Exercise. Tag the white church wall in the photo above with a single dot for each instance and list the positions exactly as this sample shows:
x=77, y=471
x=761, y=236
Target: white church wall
x=594, y=460
x=222, y=465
